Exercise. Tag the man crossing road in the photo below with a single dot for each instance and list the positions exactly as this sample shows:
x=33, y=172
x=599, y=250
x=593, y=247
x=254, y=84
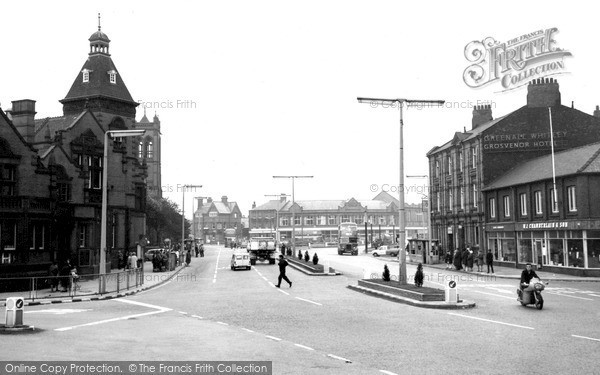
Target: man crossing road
x=282, y=264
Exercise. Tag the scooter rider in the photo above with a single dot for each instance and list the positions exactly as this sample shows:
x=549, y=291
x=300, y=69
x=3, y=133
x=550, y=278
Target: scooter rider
x=526, y=276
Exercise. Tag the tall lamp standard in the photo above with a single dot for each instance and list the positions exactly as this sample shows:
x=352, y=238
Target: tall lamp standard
x=277, y=236
x=293, y=213
x=194, y=217
x=183, y=214
x=120, y=134
x=427, y=200
x=374, y=102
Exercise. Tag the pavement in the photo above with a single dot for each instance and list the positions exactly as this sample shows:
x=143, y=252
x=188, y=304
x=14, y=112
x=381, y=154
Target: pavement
x=86, y=288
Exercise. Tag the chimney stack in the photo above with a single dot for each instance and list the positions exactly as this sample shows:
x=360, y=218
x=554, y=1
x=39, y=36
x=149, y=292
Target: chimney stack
x=481, y=115
x=543, y=92
x=200, y=203
x=224, y=199
x=209, y=200
x=282, y=198
x=253, y=205
x=597, y=112
x=23, y=118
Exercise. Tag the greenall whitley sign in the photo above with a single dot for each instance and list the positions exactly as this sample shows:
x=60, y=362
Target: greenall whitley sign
x=514, y=63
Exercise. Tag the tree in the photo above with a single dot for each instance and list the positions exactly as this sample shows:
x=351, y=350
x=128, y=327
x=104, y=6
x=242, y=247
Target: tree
x=163, y=220
x=386, y=273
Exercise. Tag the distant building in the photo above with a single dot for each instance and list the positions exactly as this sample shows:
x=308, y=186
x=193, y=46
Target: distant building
x=218, y=221
x=318, y=220
x=52, y=171
x=149, y=151
x=462, y=167
x=525, y=223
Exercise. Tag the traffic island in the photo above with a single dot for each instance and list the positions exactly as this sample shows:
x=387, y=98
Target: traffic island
x=17, y=329
x=409, y=294
x=311, y=269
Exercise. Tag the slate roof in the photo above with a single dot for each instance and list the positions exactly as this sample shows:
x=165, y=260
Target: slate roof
x=99, y=81
x=53, y=124
x=584, y=159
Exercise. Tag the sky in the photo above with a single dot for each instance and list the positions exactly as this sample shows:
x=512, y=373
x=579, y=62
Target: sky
x=246, y=90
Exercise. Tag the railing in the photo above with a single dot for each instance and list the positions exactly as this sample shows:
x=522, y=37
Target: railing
x=33, y=288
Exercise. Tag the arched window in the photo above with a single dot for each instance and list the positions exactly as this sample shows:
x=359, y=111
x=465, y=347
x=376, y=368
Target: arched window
x=149, y=150
x=141, y=150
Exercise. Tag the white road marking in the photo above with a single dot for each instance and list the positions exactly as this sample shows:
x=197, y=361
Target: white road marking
x=273, y=338
x=141, y=304
x=594, y=295
x=223, y=323
x=273, y=285
x=309, y=301
x=248, y=330
x=490, y=321
x=181, y=312
x=56, y=311
x=303, y=347
x=587, y=338
x=217, y=266
x=111, y=320
x=284, y=292
x=196, y=316
x=495, y=295
x=259, y=274
x=387, y=372
x=340, y=358
x=564, y=295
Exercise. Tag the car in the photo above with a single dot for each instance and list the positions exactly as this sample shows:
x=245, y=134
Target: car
x=240, y=260
x=149, y=255
x=385, y=250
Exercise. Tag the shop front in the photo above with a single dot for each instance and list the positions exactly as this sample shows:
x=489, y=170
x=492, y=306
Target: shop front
x=568, y=246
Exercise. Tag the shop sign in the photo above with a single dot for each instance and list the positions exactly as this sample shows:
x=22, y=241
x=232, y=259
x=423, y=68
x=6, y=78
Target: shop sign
x=546, y=225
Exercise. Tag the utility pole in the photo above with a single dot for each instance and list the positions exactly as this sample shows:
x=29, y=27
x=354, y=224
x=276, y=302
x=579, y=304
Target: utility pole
x=293, y=213
x=277, y=237
x=374, y=102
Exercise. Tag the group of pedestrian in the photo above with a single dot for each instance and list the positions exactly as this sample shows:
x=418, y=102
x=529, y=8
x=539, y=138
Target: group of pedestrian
x=466, y=258
x=160, y=261
x=65, y=276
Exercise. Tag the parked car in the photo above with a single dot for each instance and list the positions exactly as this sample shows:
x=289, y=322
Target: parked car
x=149, y=255
x=385, y=250
x=240, y=260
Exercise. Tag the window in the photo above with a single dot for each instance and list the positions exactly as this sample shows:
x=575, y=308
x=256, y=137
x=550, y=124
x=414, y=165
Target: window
x=64, y=191
x=309, y=220
x=141, y=150
x=460, y=161
x=523, y=202
x=492, y=207
x=437, y=201
x=150, y=150
x=296, y=220
x=475, y=196
x=37, y=236
x=8, y=180
x=462, y=198
x=449, y=164
x=285, y=221
x=331, y=220
x=345, y=219
x=86, y=76
x=553, y=201
x=538, y=202
x=450, y=200
x=83, y=235
x=95, y=172
x=112, y=74
x=506, y=201
x=437, y=168
x=474, y=156
x=381, y=220
x=572, y=199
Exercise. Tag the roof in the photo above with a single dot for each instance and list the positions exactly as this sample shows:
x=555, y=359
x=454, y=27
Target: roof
x=221, y=207
x=584, y=159
x=99, y=35
x=99, y=81
x=53, y=124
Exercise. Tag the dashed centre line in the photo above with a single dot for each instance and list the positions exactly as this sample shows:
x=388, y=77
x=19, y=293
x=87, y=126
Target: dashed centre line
x=217, y=266
x=340, y=358
x=490, y=321
x=273, y=338
x=585, y=337
x=303, y=347
x=309, y=301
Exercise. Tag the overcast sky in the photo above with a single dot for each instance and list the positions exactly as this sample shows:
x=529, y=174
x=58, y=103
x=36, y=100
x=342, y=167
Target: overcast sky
x=250, y=89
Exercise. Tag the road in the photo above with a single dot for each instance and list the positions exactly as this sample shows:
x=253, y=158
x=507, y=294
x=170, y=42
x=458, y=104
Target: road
x=320, y=326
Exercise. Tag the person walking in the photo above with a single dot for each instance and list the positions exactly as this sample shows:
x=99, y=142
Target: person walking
x=465, y=256
x=419, y=276
x=479, y=261
x=470, y=259
x=53, y=273
x=188, y=257
x=457, y=260
x=448, y=260
x=282, y=264
x=489, y=258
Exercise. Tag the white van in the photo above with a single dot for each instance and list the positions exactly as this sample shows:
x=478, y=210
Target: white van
x=240, y=260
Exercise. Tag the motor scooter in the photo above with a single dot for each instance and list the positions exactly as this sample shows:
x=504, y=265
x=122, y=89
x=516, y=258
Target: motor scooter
x=532, y=294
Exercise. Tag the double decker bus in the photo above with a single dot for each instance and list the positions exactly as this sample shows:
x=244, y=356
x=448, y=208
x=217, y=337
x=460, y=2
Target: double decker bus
x=348, y=238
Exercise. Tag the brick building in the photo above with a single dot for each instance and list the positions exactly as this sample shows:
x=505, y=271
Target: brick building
x=527, y=222
x=218, y=221
x=462, y=167
x=149, y=150
x=50, y=200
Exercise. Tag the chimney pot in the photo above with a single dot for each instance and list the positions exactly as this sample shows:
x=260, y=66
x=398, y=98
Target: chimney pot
x=481, y=115
x=23, y=118
x=544, y=92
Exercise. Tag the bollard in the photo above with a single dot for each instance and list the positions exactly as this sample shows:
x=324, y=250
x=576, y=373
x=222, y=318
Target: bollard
x=14, y=311
x=451, y=292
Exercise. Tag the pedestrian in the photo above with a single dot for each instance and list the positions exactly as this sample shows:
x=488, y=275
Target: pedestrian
x=419, y=276
x=282, y=264
x=188, y=258
x=465, y=256
x=470, y=260
x=65, y=272
x=197, y=251
x=282, y=248
x=53, y=273
x=479, y=261
x=448, y=260
x=133, y=261
x=457, y=260
x=489, y=258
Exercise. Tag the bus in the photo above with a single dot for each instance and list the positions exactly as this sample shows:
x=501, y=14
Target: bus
x=348, y=238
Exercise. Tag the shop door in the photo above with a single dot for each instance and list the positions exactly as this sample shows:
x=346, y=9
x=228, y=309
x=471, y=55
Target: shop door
x=539, y=255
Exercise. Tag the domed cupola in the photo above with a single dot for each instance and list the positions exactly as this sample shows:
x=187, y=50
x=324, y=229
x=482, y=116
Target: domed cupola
x=99, y=41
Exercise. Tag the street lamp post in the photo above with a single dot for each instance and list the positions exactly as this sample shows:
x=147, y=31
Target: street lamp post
x=277, y=236
x=115, y=133
x=293, y=213
x=183, y=215
x=194, y=217
x=374, y=102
